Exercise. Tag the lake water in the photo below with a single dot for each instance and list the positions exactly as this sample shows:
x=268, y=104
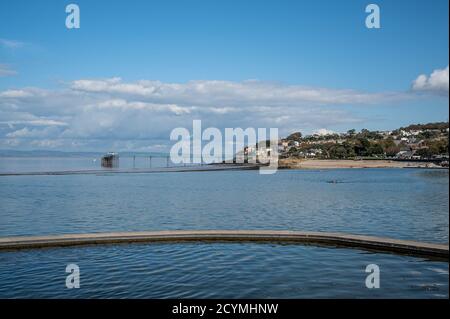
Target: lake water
x=398, y=203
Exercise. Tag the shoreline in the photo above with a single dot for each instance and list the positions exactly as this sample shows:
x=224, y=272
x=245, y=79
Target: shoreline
x=292, y=163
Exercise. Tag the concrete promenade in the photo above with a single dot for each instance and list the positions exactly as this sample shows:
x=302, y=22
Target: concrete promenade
x=376, y=244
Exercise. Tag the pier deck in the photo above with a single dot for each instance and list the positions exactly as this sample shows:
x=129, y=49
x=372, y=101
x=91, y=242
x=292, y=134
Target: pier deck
x=199, y=168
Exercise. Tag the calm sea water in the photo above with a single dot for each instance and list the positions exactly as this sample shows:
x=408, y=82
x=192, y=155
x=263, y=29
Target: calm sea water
x=217, y=271
x=45, y=164
x=398, y=203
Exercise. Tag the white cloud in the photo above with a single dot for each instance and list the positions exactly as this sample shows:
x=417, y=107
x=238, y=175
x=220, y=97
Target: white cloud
x=6, y=70
x=226, y=93
x=11, y=44
x=15, y=94
x=33, y=132
x=47, y=143
x=36, y=122
x=125, y=105
x=324, y=132
x=437, y=82
x=113, y=114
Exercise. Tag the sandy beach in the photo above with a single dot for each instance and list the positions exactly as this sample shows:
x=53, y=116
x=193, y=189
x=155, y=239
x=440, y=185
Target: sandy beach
x=293, y=163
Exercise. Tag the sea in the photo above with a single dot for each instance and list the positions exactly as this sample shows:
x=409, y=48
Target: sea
x=410, y=204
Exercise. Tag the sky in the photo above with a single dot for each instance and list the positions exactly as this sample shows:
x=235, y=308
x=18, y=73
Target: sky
x=135, y=70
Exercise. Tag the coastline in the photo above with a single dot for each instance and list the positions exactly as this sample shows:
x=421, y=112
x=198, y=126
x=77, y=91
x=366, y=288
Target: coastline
x=294, y=163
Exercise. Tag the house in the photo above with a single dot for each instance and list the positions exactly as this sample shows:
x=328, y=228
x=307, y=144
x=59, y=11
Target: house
x=404, y=155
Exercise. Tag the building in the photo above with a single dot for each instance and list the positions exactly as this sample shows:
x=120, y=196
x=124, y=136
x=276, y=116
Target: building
x=110, y=160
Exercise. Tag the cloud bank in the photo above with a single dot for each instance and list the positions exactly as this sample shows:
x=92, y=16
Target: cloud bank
x=111, y=114
x=226, y=93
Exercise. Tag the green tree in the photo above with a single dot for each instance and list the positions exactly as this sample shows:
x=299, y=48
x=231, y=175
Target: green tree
x=362, y=146
x=338, y=152
x=375, y=149
x=297, y=136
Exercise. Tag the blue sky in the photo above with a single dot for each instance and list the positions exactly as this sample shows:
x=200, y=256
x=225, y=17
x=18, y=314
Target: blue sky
x=282, y=46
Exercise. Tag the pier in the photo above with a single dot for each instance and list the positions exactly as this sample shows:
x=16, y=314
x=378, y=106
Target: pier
x=197, y=168
x=370, y=243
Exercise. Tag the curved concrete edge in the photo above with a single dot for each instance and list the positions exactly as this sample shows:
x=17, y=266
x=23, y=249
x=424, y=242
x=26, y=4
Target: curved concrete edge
x=378, y=244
